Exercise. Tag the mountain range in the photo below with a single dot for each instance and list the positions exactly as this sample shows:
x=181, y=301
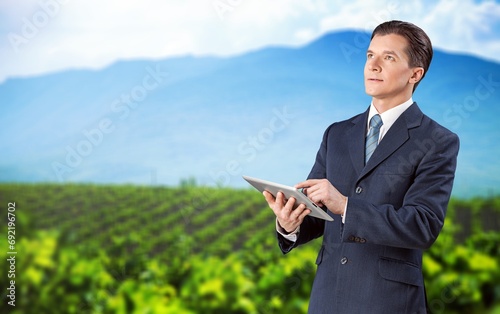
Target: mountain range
x=261, y=113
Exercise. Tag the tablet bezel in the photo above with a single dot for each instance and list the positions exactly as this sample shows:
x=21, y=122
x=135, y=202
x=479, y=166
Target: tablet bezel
x=288, y=191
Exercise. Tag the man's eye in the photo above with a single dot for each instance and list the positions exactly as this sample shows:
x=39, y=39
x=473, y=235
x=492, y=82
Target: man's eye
x=369, y=56
x=390, y=58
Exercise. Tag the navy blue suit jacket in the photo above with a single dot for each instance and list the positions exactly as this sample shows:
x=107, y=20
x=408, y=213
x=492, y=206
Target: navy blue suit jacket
x=396, y=209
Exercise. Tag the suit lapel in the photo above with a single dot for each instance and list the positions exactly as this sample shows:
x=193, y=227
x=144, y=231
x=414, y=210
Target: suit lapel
x=396, y=136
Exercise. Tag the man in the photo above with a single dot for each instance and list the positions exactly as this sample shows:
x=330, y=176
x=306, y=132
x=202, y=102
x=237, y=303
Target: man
x=385, y=176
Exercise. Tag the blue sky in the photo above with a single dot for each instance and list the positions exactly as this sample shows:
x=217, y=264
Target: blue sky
x=42, y=36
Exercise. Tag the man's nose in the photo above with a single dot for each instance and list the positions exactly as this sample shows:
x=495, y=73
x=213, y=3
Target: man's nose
x=373, y=64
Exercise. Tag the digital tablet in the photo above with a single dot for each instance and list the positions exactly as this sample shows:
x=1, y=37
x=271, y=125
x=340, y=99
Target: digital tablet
x=289, y=191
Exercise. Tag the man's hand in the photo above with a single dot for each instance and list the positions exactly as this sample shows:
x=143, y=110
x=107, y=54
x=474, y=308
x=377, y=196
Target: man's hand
x=288, y=218
x=322, y=192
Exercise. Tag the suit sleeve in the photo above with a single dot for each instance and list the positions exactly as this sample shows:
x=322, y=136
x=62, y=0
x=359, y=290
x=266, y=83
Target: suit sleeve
x=417, y=223
x=312, y=227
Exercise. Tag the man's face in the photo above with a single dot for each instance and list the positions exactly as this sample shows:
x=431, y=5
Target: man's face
x=387, y=71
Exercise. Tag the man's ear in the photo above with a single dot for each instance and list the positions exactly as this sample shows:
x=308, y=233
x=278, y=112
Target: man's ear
x=417, y=75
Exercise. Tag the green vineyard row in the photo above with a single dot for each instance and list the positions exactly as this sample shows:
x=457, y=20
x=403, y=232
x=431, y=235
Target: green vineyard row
x=208, y=220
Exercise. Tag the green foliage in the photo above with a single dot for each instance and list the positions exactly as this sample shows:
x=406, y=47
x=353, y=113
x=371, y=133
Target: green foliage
x=193, y=249
x=463, y=277
x=284, y=284
x=218, y=286
x=54, y=279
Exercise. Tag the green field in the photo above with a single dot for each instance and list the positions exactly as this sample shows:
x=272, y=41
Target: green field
x=189, y=249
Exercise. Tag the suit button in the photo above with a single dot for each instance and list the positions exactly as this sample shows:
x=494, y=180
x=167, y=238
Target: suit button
x=343, y=260
x=357, y=239
x=362, y=240
x=359, y=190
x=351, y=238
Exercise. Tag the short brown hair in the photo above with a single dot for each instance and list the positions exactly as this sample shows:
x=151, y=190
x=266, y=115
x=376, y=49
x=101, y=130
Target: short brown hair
x=419, y=48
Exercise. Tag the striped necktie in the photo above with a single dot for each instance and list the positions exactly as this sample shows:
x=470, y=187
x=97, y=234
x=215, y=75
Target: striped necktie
x=372, y=137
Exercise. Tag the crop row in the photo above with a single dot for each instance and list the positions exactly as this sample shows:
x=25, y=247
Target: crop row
x=101, y=217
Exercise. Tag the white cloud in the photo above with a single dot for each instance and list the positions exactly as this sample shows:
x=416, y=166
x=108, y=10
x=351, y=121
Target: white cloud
x=462, y=26
x=69, y=33
x=475, y=30
x=305, y=34
x=359, y=15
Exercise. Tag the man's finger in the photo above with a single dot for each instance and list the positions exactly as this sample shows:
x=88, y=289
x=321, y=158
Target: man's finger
x=303, y=215
x=289, y=205
x=297, y=212
x=306, y=184
x=269, y=197
x=280, y=199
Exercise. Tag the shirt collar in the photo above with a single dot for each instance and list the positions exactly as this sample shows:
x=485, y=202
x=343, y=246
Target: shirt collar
x=390, y=116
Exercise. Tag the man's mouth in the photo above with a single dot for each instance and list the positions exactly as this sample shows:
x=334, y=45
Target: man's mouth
x=375, y=80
